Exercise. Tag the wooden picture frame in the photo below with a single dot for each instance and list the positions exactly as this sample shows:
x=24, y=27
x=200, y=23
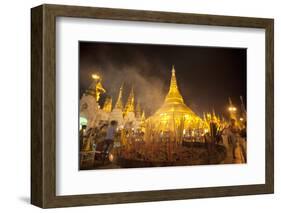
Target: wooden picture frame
x=43, y=105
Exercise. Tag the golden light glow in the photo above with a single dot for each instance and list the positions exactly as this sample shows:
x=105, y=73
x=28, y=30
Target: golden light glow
x=111, y=157
x=232, y=109
x=95, y=77
x=174, y=116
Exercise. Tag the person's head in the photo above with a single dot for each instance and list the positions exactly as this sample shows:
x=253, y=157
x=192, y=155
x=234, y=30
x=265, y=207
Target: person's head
x=113, y=123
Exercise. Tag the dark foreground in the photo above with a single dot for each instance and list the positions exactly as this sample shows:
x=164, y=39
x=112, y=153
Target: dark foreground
x=185, y=154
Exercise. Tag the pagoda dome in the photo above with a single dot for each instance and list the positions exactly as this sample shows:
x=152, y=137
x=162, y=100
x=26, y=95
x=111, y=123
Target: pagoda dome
x=174, y=102
x=174, y=112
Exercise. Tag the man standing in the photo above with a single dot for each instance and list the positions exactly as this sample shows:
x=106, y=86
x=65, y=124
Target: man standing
x=82, y=137
x=109, y=138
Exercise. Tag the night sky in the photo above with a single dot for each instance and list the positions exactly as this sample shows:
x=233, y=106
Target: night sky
x=206, y=76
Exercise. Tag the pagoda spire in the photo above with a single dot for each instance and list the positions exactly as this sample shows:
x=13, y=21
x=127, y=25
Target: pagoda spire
x=174, y=95
x=119, y=103
x=130, y=105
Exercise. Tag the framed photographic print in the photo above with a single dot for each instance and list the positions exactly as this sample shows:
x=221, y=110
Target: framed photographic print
x=137, y=106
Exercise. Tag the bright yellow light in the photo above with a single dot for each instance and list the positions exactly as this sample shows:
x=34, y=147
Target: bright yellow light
x=241, y=119
x=232, y=109
x=95, y=76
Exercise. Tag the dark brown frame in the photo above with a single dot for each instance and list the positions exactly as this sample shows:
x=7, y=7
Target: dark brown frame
x=43, y=105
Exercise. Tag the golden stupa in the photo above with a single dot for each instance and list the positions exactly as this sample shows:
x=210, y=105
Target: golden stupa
x=174, y=115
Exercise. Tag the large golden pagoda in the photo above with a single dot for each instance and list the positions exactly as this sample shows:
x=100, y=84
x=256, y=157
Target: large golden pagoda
x=174, y=115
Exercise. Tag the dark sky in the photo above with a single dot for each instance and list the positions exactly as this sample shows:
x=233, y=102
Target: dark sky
x=206, y=76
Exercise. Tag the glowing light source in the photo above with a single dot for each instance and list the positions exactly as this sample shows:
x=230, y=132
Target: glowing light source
x=111, y=157
x=95, y=76
x=241, y=119
x=174, y=115
x=232, y=109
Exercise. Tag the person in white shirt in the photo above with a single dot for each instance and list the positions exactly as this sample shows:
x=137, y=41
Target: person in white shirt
x=109, y=138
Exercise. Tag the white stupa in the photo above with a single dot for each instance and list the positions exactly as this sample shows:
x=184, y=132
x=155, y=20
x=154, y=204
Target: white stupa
x=117, y=112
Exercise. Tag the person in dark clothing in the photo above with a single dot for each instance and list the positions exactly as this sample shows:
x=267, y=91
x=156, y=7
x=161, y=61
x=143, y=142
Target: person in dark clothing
x=81, y=136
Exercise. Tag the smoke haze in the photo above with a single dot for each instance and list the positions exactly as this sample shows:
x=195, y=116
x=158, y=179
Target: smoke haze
x=206, y=76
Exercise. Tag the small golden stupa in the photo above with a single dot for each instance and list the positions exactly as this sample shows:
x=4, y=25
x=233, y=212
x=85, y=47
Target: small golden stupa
x=174, y=115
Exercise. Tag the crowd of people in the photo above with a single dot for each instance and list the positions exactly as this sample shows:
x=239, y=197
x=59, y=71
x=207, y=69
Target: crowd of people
x=101, y=140
x=232, y=137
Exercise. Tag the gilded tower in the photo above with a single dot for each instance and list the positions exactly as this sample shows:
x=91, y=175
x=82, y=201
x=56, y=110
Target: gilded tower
x=174, y=114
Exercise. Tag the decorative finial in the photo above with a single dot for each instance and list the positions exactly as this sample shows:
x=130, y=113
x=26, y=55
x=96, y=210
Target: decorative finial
x=173, y=70
x=119, y=103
